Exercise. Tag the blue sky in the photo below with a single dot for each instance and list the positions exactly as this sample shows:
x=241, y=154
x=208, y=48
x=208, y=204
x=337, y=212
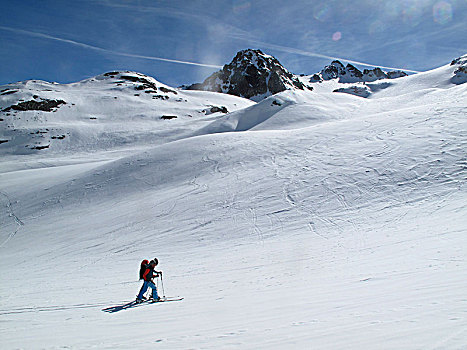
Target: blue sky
x=181, y=42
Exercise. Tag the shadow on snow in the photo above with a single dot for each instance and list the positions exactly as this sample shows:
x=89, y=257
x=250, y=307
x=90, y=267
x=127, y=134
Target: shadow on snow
x=133, y=304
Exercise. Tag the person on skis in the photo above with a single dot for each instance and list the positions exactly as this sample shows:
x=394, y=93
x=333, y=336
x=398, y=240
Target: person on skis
x=148, y=277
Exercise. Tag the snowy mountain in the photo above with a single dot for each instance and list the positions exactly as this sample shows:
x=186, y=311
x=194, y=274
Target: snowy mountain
x=255, y=75
x=351, y=74
x=310, y=219
x=115, y=109
x=251, y=74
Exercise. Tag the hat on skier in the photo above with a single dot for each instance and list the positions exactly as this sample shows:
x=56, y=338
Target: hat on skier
x=155, y=261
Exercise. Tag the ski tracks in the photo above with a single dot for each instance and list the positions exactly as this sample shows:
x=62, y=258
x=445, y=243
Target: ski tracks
x=34, y=309
x=11, y=214
x=294, y=187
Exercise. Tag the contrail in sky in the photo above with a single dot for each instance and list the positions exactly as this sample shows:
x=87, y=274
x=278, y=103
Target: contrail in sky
x=100, y=49
x=242, y=35
x=236, y=36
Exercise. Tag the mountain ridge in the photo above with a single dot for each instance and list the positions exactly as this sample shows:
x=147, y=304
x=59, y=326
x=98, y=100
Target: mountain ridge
x=255, y=75
x=37, y=115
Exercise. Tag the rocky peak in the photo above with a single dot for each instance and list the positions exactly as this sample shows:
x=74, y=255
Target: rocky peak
x=396, y=74
x=460, y=74
x=251, y=74
x=351, y=74
x=334, y=70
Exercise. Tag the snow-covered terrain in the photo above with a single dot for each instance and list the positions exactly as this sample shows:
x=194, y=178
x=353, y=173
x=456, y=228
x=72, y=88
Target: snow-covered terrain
x=309, y=220
x=112, y=111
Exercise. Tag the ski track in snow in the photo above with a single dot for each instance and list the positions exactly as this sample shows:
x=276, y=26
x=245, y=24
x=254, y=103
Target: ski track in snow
x=10, y=213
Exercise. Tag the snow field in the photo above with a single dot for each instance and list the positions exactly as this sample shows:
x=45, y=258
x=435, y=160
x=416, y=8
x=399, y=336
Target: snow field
x=349, y=232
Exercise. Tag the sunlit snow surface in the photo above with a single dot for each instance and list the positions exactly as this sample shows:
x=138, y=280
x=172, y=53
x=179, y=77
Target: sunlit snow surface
x=323, y=220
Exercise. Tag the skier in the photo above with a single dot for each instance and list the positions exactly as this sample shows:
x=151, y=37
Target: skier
x=148, y=276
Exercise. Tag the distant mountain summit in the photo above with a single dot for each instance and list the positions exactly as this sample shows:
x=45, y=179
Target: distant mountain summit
x=251, y=74
x=255, y=75
x=351, y=74
x=460, y=74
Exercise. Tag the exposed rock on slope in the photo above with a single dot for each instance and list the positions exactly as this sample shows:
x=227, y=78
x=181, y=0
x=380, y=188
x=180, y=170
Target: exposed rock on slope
x=44, y=105
x=362, y=91
x=251, y=74
x=460, y=74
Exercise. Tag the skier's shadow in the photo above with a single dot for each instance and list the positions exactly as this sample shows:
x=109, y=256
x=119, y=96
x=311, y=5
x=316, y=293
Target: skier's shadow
x=133, y=304
x=118, y=308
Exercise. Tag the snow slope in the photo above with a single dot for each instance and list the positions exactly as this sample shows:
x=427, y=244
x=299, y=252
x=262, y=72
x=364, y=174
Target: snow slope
x=324, y=220
x=115, y=111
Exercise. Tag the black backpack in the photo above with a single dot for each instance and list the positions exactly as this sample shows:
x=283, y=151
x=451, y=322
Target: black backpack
x=144, y=265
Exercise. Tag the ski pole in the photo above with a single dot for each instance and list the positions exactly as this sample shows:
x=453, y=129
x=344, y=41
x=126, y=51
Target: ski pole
x=162, y=283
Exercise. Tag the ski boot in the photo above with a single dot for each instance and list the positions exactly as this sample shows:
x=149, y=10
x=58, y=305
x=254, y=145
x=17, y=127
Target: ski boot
x=153, y=299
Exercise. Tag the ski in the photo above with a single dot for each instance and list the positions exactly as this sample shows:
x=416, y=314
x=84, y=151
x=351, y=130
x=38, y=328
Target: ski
x=165, y=299
x=133, y=304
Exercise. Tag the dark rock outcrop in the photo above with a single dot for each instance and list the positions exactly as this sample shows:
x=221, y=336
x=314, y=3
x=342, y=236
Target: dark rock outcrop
x=460, y=61
x=215, y=109
x=333, y=71
x=166, y=90
x=44, y=105
x=361, y=91
x=460, y=74
x=396, y=74
x=145, y=83
x=251, y=74
x=5, y=92
x=351, y=74
x=41, y=147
